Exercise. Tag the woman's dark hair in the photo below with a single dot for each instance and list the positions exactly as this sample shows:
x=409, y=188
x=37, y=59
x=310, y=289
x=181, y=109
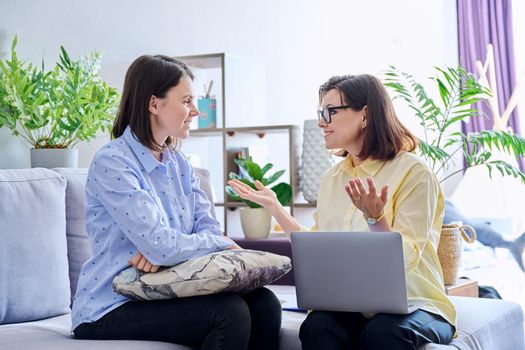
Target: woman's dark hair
x=384, y=135
x=147, y=76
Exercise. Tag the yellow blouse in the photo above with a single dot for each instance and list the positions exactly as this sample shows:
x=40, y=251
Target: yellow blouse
x=415, y=208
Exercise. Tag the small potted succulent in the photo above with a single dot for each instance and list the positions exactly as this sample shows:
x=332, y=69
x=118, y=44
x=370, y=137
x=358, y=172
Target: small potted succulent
x=54, y=110
x=256, y=220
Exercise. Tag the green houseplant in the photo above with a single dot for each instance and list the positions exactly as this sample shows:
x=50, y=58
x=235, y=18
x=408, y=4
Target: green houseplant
x=256, y=220
x=443, y=139
x=58, y=108
x=441, y=122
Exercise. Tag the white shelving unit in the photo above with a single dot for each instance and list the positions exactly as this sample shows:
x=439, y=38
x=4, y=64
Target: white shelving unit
x=241, y=101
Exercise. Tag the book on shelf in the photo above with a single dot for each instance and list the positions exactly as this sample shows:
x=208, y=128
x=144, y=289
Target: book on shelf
x=244, y=153
x=256, y=153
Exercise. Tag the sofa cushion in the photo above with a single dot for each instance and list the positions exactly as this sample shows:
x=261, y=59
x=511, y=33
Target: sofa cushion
x=236, y=270
x=78, y=245
x=488, y=324
x=34, y=281
x=54, y=334
x=205, y=186
x=483, y=324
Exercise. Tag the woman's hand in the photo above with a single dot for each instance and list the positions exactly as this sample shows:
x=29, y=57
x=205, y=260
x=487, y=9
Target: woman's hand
x=234, y=245
x=370, y=203
x=141, y=263
x=267, y=199
x=263, y=196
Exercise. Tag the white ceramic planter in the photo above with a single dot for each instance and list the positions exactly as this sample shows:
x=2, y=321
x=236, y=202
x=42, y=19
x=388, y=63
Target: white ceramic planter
x=255, y=222
x=54, y=158
x=315, y=159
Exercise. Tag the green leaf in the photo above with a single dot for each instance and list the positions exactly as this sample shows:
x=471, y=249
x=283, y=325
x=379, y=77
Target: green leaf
x=265, y=169
x=283, y=192
x=60, y=106
x=274, y=177
x=64, y=58
x=233, y=176
x=459, y=91
x=231, y=192
x=244, y=168
x=14, y=43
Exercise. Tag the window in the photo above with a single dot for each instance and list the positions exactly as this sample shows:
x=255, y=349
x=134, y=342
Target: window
x=518, y=13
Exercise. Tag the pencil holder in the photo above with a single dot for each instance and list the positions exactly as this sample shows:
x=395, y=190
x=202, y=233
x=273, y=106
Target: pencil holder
x=207, y=113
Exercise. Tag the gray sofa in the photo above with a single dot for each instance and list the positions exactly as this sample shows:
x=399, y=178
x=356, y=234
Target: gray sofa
x=43, y=245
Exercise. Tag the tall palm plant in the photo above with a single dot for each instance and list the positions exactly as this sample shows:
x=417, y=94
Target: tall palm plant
x=458, y=91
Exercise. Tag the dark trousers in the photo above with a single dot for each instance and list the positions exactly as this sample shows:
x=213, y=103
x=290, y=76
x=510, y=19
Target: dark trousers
x=218, y=321
x=351, y=330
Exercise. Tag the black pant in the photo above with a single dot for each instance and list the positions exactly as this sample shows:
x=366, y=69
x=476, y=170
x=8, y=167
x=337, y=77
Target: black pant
x=351, y=330
x=218, y=321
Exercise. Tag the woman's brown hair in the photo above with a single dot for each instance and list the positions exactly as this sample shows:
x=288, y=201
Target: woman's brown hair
x=147, y=76
x=384, y=135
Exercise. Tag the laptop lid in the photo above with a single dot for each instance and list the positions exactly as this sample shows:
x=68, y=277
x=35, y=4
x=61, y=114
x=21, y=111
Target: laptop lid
x=350, y=271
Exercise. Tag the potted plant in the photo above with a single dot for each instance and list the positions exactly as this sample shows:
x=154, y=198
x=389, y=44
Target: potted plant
x=443, y=138
x=256, y=220
x=54, y=110
x=441, y=123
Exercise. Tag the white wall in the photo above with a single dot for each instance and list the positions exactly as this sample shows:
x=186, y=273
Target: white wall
x=302, y=42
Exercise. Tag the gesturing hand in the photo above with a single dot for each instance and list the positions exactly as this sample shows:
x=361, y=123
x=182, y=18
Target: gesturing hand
x=262, y=196
x=141, y=263
x=370, y=203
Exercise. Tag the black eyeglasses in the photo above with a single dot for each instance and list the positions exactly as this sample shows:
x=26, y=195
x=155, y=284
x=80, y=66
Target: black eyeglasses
x=326, y=113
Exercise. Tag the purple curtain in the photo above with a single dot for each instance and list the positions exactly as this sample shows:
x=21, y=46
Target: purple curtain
x=481, y=22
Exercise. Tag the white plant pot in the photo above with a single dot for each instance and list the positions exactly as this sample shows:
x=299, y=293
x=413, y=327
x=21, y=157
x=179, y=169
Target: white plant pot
x=255, y=222
x=54, y=158
x=316, y=160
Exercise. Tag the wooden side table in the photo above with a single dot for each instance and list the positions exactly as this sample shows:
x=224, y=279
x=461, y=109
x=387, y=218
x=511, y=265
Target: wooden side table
x=463, y=287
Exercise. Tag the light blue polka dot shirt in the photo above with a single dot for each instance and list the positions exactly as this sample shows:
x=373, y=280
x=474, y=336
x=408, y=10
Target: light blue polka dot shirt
x=135, y=203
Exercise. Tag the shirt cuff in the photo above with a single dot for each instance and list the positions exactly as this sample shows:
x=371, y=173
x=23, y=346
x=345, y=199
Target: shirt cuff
x=222, y=242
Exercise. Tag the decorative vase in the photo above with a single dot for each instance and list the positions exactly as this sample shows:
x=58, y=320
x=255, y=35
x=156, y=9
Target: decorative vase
x=255, y=222
x=450, y=248
x=54, y=158
x=315, y=160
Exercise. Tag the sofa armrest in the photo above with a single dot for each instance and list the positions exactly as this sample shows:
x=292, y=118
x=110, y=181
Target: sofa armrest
x=281, y=246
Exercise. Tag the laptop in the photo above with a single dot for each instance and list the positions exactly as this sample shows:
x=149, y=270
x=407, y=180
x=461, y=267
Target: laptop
x=351, y=271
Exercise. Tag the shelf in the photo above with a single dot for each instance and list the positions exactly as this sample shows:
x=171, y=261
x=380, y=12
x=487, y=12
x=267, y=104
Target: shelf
x=241, y=122
x=231, y=204
x=305, y=205
x=268, y=129
x=240, y=205
x=256, y=130
x=206, y=132
x=213, y=60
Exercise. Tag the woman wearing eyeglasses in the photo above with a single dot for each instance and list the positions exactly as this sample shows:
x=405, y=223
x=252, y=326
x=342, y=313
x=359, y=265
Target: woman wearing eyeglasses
x=380, y=185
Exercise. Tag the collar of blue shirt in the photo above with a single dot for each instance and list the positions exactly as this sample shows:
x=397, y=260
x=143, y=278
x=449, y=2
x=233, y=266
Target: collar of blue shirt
x=145, y=157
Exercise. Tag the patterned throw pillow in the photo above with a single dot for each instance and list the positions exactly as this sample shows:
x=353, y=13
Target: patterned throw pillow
x=238, y=270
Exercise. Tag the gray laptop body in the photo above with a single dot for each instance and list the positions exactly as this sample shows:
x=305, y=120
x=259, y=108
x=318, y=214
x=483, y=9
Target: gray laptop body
x=350, y=271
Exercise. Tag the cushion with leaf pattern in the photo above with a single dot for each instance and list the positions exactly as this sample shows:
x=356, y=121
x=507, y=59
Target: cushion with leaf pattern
x=238, y=270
